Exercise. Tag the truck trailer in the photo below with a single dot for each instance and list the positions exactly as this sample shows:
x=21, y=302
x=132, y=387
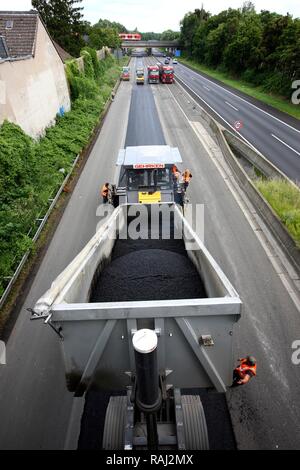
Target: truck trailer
x=166, y=73
x=153, y=74
x=148, y=314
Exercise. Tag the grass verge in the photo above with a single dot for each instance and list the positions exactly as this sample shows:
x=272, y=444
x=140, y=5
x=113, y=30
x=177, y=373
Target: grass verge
x=284, y=198
x=31, y=172
x=276, y=101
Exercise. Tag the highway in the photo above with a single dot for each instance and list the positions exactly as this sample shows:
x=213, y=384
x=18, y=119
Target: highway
x=274, y=134
x=266, y=413
x=35, y=408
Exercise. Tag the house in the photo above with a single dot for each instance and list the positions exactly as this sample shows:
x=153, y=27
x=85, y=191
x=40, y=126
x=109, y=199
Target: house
x=33, y=84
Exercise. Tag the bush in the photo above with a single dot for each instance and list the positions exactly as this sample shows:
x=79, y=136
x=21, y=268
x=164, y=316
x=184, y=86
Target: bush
x=29, y=170
x=285, y=200
x=278, y=82
x=86, y=87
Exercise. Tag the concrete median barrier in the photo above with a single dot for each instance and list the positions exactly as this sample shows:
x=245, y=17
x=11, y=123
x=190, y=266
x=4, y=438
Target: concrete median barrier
x=270, y=218
x=232, y=147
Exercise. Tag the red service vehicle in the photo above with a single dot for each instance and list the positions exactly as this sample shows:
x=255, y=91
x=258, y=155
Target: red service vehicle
x=153, y=74
x=130, y=36
x=125, y=75
x=166, y=74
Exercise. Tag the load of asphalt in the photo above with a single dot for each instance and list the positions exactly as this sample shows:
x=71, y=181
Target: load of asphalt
x=148, y=270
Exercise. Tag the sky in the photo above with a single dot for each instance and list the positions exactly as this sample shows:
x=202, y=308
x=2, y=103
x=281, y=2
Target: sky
x=158, y=15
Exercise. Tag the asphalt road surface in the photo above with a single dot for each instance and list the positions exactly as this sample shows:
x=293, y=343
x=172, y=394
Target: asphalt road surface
x=143, y=123
x=265, y=413
x=274, y=134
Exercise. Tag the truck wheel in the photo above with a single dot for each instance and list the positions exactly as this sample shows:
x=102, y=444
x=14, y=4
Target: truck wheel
x=194, y=423
x=114, y=426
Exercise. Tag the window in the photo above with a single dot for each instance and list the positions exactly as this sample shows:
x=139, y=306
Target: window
x=143, y=179
x=3, y=48
x=9, y=24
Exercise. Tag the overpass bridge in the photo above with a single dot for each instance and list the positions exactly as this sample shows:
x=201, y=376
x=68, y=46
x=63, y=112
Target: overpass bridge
x=150, y=44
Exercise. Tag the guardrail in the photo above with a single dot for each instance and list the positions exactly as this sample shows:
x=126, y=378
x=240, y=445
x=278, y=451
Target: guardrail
x=257, y=159
x=264, y=209
x=44, y=219
x=228, y=141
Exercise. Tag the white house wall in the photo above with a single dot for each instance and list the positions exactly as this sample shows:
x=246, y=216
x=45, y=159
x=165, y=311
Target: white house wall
x=34, y=90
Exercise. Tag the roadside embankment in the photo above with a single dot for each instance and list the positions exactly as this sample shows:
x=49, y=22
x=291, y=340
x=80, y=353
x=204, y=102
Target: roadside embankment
x=284, y=198
x=33, y=173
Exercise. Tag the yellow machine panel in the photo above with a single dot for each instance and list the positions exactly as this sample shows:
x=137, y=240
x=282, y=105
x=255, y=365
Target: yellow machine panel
x=149, y=198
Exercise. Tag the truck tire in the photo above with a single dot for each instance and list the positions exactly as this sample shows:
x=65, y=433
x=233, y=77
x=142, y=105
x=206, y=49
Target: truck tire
x=194, y=423
x=114, y=426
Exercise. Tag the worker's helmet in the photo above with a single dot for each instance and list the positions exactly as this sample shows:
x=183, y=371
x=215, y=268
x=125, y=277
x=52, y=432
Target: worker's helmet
x=251, y=360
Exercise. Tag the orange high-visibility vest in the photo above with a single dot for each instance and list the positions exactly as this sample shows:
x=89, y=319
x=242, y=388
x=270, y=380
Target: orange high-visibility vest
x=104, y=191
x=187, y=175
x=243, y=368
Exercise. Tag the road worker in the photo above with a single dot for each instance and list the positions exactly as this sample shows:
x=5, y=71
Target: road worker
x=177, y=176
x=187, y=175
x=105, y=192
x=175, y=173
x=174, y=169
x=177, y=181
x=244, y=371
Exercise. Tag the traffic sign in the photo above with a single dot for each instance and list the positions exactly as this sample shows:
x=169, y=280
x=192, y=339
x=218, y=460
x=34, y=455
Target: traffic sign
x=238, y=125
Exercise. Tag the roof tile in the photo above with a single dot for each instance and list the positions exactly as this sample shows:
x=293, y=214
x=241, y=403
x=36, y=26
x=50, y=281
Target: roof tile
x=20, y=39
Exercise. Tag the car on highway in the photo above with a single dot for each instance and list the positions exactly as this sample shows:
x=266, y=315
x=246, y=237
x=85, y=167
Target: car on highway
x=175, y=61
x=125, y=75
x=167, y=61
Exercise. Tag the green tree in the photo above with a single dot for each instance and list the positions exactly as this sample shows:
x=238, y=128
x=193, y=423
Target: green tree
x=263, y=48
x=248, y=7
x=169, y=35
x=99, y=37
x=150, y=35
x=215, y=43
x=111, y=24
x=244, y=50
x=64, y=22
x=189, y=25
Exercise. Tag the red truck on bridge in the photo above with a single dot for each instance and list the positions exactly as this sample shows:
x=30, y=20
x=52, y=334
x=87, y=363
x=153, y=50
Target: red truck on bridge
x=153, y=74
x=166, y=74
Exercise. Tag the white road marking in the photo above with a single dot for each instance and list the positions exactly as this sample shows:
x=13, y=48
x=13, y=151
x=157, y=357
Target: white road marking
x=284, y=143
x=216, y=112
x=221, y=117
x=231, y=105
x=206, y=87
x=242, y=99
x=232, y=127
x=262, y=237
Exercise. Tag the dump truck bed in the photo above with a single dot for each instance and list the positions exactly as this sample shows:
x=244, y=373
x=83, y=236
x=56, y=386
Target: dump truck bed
x=96, y=321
